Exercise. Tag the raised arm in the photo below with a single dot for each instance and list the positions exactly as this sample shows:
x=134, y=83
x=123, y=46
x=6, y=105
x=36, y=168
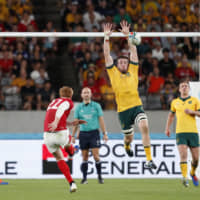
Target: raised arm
x=125, y=27
x=106, y=47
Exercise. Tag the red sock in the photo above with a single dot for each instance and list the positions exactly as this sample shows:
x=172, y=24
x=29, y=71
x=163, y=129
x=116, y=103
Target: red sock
x=70, y=150
x=65, y=170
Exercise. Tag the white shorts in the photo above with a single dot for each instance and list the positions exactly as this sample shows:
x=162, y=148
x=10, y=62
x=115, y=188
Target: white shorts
x=56, y=140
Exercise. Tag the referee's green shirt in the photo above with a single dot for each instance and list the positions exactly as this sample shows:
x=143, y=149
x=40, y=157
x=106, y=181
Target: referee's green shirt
x=90, y=113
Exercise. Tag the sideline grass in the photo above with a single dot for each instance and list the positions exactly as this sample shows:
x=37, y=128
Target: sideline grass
x=112, y=189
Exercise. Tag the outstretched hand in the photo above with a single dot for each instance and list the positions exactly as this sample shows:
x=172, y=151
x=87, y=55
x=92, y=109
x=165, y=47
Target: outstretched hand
x=125, y=27
x=107, y=29
x=76, y=122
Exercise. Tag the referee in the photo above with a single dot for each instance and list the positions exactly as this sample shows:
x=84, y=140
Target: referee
x=89, y=137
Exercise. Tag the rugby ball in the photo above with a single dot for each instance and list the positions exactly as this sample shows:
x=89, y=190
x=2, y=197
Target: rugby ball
x=135, y=38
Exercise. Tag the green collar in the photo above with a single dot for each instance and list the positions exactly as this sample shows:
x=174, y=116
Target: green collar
x=184, y=99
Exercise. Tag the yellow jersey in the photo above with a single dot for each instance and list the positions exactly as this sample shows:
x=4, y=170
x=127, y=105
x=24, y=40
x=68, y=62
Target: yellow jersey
x=125, y=86
x=185, y=123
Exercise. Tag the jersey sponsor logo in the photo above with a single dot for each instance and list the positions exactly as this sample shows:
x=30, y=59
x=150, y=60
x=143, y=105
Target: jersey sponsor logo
x=189, y=102
x=88, y=116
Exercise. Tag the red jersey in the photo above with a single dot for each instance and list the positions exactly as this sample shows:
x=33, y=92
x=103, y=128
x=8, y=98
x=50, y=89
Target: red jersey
x=51, y=113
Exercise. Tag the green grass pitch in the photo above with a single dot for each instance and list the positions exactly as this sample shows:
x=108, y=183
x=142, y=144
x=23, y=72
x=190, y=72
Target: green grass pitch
x=112, y=189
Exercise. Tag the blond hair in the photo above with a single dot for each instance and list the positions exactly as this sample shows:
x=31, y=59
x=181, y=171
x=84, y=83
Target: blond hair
x=66, y=91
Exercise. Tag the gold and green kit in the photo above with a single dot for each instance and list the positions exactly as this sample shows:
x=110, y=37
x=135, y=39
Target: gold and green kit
x=186, y=128
x=125, y=86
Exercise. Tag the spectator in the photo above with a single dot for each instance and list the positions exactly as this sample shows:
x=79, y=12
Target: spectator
x=195, y=12
x=147, y=66
x=150, y=11
x=49, y=41
x=167, y=41
x=157, y=51
x=103, y=8
x=155, y=82
x=93, y=85
x=188, y=48
x=195, y=64
x=74, y=16
x=140, y=26
x=21, y=80
x=4, y=13
x=92, y=18
x=20, y=50
x=144, y=47
x=25, y=21
x=121, y=15
x=12, y=100
x=92, y=69
x=115, y=51
x=168, y=93
x=184, y=70
x=44, y=96
x=154, y=24
x=133, y=8
x=167, y=10
x=183, y=16
x=35, y=74
x=6, y=62
x=95, y=49
x=28, y=95
x=43, y=77
x=171, y=79
x=166, y=65
x=174, y=54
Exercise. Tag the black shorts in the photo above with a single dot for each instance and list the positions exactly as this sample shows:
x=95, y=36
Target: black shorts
x=89, y=139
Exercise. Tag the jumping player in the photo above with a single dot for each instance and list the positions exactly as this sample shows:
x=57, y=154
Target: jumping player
x=124, y=81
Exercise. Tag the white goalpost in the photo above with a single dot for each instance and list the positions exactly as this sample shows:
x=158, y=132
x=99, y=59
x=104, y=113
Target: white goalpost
x=96, y=34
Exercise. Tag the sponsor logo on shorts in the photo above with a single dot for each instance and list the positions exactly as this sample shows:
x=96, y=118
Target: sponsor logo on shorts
x=49, y=164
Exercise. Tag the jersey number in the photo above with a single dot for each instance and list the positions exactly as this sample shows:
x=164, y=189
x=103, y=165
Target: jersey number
x=54, y=104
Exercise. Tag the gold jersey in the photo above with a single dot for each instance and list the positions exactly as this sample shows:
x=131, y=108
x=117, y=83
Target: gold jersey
x=125, y=86
x=185, y=123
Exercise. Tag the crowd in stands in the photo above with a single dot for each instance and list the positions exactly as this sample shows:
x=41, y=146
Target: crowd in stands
x=163, y=61
x=24, y=80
